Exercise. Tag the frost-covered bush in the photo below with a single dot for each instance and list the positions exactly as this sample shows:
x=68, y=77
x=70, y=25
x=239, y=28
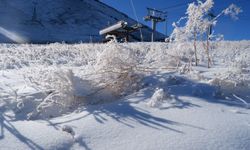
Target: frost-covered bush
x=118, y=69
x=114, y=74
x=235, y=57
x=228, y=87
x=62, y=91
x=159, y=56
x=241, y=64
x=14, y=56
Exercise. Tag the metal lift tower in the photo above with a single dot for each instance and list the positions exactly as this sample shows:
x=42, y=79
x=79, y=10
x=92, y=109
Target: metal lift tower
x=155, y=16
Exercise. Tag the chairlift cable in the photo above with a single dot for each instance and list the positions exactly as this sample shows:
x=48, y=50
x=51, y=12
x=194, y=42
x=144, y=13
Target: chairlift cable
x=177, y=5
x=136, y=17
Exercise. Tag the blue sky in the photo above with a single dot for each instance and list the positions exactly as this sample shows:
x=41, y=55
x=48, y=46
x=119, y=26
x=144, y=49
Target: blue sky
x=232, y=30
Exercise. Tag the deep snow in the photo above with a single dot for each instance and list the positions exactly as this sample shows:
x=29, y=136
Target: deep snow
x=197, y=107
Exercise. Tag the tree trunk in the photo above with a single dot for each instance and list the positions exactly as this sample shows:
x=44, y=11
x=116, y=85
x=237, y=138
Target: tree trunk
x=195, y=49
x=207, y=51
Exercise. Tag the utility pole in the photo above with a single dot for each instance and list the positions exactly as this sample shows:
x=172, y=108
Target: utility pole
x=34, y=15
x=166, y=27
x=155, y=16
x=210, y=29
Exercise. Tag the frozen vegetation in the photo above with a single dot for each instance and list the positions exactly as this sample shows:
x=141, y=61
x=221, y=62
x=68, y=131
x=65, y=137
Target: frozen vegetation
x=188, y=94
x=124, y=96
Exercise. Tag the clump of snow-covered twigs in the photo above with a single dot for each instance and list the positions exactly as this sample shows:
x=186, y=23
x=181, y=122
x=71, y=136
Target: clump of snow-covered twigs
x=118, y=67
x=163, y=99
x=60, y=88
x=233, y=11
x=157, y=98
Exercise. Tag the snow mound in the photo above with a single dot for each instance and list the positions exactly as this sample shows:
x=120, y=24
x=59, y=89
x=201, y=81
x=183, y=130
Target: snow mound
x=162, y=99
x=157, y=98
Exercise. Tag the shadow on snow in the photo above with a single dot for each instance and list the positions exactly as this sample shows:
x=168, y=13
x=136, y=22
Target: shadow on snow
x=6, y=125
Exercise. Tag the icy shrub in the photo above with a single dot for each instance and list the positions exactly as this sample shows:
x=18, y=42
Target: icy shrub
x=25, y=55
x=241, y=63
x=117, y=67
x=59, y=84
x=61, y=90
x=184, y=56
x=227, y=87
x=158, y=55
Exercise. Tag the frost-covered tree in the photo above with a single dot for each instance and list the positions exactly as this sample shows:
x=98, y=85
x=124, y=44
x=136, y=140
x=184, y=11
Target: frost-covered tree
x=199, y=22
x=232, y=11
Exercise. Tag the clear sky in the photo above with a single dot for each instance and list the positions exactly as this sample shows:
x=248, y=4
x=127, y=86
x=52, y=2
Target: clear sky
x=232, y=30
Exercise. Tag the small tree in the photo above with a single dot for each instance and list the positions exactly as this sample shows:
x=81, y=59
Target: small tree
x=199, y=22
x=195, y=23
x=232, y=11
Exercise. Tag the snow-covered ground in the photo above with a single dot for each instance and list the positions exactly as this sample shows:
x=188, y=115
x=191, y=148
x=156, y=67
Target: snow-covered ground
x=124, y=96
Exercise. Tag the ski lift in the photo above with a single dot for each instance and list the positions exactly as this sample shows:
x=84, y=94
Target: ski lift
x=120, y=30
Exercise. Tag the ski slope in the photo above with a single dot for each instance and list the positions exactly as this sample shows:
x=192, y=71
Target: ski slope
x=57, y=21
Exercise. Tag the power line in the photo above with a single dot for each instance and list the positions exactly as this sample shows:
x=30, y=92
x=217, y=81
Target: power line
x=177, y=5
x=135, y=14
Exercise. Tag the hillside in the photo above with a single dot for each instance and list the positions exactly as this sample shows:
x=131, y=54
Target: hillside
x=43, y=21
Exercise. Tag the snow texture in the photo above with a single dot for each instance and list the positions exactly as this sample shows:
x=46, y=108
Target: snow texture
x=80, y=96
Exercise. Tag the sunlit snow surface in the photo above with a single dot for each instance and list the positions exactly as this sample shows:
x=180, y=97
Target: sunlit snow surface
x=198, y=110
